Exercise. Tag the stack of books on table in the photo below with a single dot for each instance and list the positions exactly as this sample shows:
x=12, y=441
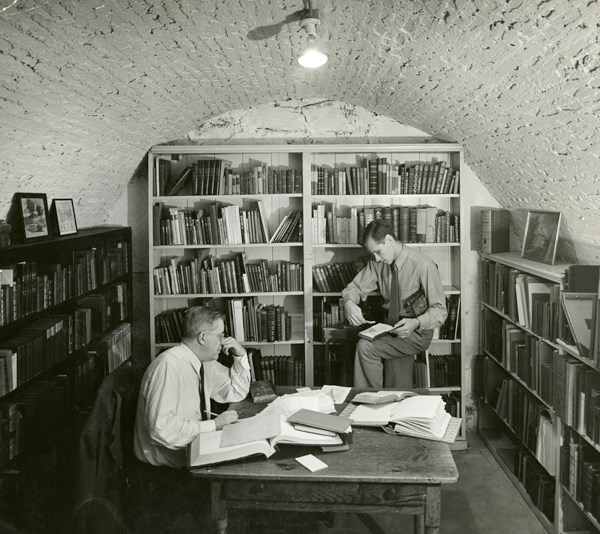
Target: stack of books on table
x=288, y=420
x=404, y=413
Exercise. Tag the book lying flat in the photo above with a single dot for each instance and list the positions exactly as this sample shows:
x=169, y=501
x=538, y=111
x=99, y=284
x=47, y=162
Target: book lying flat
x=375, y=331
x=273, y=427
x=313, y=429
x=310, y=418
x=381, y=397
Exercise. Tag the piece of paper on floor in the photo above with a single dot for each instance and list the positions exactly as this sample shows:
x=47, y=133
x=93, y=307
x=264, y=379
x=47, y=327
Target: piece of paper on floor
x=312, y=463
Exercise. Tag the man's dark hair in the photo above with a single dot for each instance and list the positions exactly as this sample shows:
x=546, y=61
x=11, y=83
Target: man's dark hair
x=377, y=230
x=199, y=319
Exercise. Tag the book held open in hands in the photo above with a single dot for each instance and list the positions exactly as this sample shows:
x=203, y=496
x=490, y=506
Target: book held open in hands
x=375, y=331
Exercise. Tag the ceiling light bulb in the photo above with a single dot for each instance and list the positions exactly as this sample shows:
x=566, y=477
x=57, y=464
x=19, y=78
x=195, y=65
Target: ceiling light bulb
x=312, y=58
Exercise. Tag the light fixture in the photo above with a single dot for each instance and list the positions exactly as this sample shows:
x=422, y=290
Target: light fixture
x=312, y=57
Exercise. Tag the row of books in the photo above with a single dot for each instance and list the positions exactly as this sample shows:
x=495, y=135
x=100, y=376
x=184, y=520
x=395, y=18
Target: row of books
x=538, y=484
x=580, y=472
x=50, y=340
x=31, y=414
x=451, y=328
x=216, y=177
x=376, y=176
x=437, y=370
x=281, y=370
x=530, y=358
x=250, y=320
x=31, y=286
x=327, y=313
x=334, y=277
x=577, y=396
x=411, y=224
x=202, y=177
x=519, y=410
x=222, y=225
x=452, y=400
x=233, y=274
x=527, y=300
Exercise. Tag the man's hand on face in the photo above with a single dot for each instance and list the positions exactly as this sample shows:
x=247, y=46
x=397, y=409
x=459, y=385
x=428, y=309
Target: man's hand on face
x=229, y=344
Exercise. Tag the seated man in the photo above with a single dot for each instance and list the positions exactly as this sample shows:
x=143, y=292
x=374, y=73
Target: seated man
x=173, y=409
x=169, y=404
x=398, y=272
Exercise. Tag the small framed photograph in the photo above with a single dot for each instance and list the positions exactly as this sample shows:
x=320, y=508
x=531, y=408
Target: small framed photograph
x=63, y=216
x=28, y=215
x=541, y=236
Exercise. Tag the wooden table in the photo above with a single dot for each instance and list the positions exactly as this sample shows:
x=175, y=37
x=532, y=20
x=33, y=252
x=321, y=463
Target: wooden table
x=379, y=474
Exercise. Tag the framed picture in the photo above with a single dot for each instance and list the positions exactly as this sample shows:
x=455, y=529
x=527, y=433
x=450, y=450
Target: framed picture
x=580, y=311
x=28, y=215
x=62, y=215
x=541, y=236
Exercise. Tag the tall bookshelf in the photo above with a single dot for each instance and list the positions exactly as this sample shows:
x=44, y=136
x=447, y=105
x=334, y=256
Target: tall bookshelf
x=534, y=390
x=64, y=323
x=332, y=188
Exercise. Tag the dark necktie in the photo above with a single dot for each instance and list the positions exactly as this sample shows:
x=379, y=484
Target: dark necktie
x=203, y=413
x=394, y=296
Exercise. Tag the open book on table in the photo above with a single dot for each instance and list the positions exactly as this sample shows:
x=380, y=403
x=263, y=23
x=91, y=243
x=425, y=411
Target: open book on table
x=381, y=397
x=252, y=436
x=417, y=415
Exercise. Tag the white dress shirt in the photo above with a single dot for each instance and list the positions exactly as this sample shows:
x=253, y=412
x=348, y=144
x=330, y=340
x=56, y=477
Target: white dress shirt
x=168, y=412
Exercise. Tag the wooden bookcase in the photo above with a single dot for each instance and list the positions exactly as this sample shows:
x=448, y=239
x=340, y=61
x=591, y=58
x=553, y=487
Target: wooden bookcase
x=531, y=408
x=320, y=179
x=61, y=353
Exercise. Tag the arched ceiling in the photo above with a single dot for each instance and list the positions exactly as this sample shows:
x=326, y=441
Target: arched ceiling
x=86, y=87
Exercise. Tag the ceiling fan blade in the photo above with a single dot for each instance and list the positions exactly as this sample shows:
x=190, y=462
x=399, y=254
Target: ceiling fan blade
x=270, y=30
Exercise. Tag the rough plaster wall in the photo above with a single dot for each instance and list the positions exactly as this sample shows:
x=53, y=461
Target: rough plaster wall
x=88, y=86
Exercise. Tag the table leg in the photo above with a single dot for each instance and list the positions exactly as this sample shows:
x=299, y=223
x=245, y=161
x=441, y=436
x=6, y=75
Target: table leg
x=218, y=508
x=433, y=509
x=419, y=523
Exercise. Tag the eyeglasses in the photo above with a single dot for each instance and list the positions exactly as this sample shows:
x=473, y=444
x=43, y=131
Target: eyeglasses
x=219, y=335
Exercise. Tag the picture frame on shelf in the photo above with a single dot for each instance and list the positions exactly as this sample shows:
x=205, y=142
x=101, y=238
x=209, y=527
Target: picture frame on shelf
x=62, y=214
x=28, y=217
x=580, y=312
x=541, y=236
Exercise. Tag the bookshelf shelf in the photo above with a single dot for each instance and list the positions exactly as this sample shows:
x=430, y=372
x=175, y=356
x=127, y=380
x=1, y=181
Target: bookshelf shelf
x=523, y=384
x=230, y=295
x=193, y=198
x=428, y=167
x=65, y=314
x=228, y=247
x=524, y=328
x=356, y=245
x=562, y=383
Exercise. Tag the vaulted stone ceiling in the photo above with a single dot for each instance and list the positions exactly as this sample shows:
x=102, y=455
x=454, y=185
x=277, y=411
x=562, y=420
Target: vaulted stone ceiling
x=87, y=87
